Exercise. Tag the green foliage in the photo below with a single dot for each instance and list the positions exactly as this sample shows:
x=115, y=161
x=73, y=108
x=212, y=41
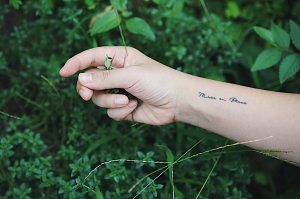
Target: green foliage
x=280, y=36
x=50, y=140
x=232, y=10
x=280, y=39
x=295, y=31
x=170, y=160
x=90, y=4
x=15, y=3
x=105, y=22
x=119, y=4
x=110, y=19
x=139, y=26
x=264, y=34
x=98, y=193
x=267, y=58
x=289, y=66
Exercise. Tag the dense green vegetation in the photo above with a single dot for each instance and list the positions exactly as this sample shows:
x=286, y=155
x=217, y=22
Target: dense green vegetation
x=50, y=140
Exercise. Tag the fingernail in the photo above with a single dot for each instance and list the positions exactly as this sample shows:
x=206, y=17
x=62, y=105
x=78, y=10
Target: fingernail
x=132, y=104
x=121, y=100
x=85, y=77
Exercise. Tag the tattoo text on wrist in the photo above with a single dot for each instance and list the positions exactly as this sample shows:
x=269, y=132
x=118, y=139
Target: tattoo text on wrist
x=230, y=100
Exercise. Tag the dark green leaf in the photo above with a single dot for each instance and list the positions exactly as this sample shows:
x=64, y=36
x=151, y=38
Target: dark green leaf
x=289, y=66
x=106, y=22
x=170, y=159
x=157, y=2
x=262, y=178
x=264, y=34
x=295, y=34
x=280, y=36
x=232, y=10
x=139, y=26
x=15, y=3
x=266, y=59
x=98, y=193
x=178, y=7
x=126, y=13
x=90, y=4
x=118, y=4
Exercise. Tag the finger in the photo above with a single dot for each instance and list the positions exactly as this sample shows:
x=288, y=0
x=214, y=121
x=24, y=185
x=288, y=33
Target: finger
x=109, y=100
x=84, y=92
x=124, y=112
x=107, y=79
x=147, y=115
x=94, y=57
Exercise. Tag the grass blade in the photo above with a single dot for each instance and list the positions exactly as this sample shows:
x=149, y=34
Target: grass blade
x=98, y=193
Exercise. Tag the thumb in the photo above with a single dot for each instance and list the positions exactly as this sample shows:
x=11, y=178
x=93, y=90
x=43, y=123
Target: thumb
x=107, y=79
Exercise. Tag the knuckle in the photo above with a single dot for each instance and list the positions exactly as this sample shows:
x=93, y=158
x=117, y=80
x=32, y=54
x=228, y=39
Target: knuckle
x=100, y=76
x=132, y=49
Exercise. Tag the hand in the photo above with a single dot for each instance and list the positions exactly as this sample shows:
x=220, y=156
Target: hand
x=154, y=84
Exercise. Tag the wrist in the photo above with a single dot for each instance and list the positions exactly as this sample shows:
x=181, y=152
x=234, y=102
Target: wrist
x=189, y=109
x=185, y=110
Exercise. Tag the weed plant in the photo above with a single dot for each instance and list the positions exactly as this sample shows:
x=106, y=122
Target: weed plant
x=54, y=145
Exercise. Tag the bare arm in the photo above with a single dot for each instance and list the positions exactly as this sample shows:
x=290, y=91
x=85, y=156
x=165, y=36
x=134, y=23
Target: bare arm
x=237, y=112
x=242, y=113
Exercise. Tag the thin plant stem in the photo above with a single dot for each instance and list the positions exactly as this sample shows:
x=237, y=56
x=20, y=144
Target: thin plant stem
x=140, y=161
x=268, y=153
x=123, y=160
x=229, y=42
x=208, y=177
x=142, y=179
x=226, y=146
x=123, y=39
x=89, y=188
x=172, y=182
x=150, y=182
x=9, y=115
x=121, y=33
x=210, y=173
x=165, y=168
x=193, y=156
x=31, y=102
x=50, y=84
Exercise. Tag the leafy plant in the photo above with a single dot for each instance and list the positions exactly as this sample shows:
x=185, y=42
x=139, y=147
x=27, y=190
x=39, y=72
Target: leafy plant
x=15, y=3
x=107, y=64
x=110, y=19
x=51, y=141
x=280, y=40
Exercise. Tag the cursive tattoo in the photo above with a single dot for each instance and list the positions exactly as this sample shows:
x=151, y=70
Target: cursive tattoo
x=203, y=95
x=229, y=100
x=235, y=100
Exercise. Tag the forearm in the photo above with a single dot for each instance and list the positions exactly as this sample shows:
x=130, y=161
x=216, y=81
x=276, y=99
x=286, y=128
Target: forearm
x=242, y=113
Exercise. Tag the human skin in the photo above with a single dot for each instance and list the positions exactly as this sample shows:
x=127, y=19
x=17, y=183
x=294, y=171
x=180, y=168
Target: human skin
x=237, y=112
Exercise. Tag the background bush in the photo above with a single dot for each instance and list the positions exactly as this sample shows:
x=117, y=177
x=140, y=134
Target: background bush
x=50, y=139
